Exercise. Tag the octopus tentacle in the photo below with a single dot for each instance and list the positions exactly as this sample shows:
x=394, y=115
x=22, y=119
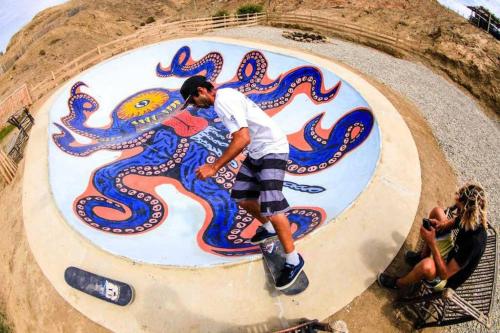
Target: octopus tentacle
x=251, y=71
x=183, y=65
x=305, y=220
x=211, y=235
x=80, y=106
x=347, y=134
x=288, y=85
x=146, y=211
x=67, y=143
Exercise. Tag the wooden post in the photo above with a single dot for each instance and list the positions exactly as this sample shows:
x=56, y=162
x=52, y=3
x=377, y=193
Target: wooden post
x=99, y=49
x=5, y=176
x=7, y=167
x=53, y=76
x=489, y=23
x=11, y=166
x=30, y=101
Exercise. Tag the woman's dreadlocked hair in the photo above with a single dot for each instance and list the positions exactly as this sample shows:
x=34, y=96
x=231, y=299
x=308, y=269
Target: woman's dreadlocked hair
x=473, y=197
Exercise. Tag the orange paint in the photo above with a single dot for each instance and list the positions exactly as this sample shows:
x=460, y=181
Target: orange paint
x=185, y=124
x=248, y=69
x=355, y=131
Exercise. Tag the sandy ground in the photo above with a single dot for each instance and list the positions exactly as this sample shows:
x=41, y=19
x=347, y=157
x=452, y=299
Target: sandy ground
x=43, y=310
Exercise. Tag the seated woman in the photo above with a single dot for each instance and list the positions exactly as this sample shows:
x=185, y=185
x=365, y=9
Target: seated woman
x=443, y=263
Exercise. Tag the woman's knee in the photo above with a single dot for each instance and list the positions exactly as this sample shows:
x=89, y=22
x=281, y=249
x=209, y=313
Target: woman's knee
x=438, y=214
x=428, y=268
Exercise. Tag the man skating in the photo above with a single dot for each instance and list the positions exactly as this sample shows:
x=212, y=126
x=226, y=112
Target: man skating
x=259, y=183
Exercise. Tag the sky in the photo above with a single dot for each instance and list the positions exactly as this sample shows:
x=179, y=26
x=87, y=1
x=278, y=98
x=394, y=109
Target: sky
x=14, y=14
x=460, y=6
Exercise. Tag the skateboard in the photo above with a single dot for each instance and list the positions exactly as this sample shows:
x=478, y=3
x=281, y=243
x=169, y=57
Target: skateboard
x=108, y=290
x=274, y=257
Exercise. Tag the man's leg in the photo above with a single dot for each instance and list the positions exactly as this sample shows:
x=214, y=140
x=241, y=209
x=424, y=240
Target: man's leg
x=280, y=223
x=253, y=208
x=273, y=203
x=282, y=226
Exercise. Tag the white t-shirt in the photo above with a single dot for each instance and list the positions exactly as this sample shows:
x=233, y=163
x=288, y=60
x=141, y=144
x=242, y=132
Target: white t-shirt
x=237, y=111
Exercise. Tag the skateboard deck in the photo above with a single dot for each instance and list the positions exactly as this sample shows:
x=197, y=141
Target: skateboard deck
x=274, y=257
x=108, y=290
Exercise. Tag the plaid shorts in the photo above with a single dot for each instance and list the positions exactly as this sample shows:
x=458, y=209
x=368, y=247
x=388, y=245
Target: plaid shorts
x=262, y=179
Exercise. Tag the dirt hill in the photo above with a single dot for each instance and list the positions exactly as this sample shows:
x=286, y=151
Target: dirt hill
x=447, y=42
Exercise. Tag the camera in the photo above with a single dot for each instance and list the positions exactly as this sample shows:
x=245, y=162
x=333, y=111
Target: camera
x=427, y=224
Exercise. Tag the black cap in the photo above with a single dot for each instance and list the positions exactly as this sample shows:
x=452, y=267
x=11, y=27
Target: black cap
x=190, y=88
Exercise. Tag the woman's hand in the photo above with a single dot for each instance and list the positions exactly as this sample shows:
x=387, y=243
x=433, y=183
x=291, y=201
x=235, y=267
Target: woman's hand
x=429, y=236
x=438, y=225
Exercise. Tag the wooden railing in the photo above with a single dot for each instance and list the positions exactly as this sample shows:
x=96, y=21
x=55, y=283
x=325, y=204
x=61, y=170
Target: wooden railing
x=342, y=28
x=14, y=102
x=144, y=36
x=159, y=32
x=7, y=168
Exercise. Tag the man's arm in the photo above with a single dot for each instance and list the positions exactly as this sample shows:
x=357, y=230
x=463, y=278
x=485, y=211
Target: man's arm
x=240, y=140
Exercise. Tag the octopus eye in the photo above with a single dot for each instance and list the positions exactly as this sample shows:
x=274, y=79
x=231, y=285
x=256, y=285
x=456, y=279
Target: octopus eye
x=142, y=103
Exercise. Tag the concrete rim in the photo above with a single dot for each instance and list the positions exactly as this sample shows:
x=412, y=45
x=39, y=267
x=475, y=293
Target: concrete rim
x=177, y=299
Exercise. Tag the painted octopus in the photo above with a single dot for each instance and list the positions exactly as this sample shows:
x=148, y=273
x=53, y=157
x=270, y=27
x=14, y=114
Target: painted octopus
x=162, y=144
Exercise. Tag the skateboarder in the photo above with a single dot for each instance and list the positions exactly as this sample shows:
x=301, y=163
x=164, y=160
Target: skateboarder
x=260, y=179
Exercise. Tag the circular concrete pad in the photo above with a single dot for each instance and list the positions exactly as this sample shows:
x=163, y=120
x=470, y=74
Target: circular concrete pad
x=342, y=257
x=122, y=165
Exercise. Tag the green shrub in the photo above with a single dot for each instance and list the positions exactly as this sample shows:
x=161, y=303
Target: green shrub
x=150, y=19
x=3, y=325
x=249, y=9
x=3, y=133
x=42, y=52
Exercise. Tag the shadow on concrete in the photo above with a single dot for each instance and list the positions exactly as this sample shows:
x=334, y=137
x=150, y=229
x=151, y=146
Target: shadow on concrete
x=375, y=252
x=271, y=325
x=177, y=318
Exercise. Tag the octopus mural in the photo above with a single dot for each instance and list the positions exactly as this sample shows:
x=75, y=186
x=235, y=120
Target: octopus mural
x=159, y=143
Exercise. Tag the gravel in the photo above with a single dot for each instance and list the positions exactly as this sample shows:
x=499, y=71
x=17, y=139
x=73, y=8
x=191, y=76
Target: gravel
x=469, y=139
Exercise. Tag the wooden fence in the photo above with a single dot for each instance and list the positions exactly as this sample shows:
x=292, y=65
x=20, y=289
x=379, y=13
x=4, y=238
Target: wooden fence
x=24, y=97
x=159, y=32
x=148, y=35
x=7, y=168
x=14, y=102
x=342, y=28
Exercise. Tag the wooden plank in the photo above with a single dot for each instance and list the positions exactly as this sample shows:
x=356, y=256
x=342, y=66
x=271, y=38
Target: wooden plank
x=8, y=165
